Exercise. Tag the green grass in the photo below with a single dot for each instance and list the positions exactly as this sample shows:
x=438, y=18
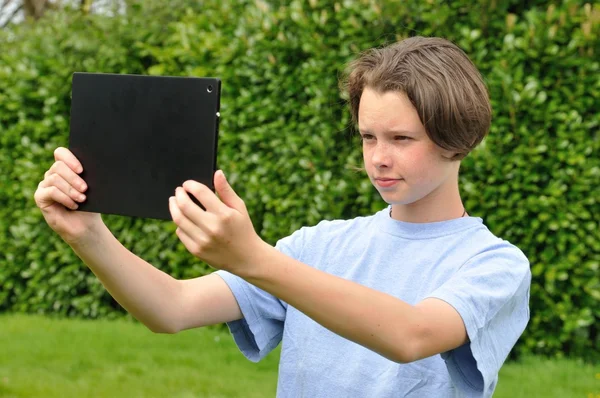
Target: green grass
x=43, y=357
x=537, y=377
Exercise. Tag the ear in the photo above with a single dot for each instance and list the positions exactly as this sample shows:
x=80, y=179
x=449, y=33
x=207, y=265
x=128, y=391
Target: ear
x=450, y=155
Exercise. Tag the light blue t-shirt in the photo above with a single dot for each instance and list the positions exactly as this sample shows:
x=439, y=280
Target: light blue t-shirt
x=486, y=279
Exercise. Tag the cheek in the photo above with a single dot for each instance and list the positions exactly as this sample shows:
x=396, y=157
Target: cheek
x=421, y=166
x=366, y=158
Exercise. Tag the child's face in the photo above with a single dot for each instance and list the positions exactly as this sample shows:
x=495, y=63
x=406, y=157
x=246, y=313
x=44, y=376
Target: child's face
x=395, y=146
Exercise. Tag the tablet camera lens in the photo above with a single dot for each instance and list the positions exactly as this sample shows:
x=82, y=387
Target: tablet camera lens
x=209, y=89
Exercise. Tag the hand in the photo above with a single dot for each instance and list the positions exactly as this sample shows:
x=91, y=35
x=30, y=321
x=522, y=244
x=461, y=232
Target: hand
x=223, y=234
x=60, y=192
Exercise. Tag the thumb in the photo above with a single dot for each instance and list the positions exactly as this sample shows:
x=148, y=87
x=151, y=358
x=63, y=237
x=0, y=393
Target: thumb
x=227, y=194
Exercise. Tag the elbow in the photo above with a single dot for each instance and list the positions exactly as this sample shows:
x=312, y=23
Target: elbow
x=164, y=331
x=162, y=328
x=404, y=355
x=410, y=348
x=399, y=353
x=413, y=343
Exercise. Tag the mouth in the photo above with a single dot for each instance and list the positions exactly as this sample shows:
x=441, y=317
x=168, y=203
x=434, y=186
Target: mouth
x=387, y=182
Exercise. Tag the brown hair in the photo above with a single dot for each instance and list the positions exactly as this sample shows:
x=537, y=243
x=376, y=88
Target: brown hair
x=441, y=82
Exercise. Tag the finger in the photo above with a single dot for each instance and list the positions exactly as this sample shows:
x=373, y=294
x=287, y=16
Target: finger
x=189, y=208
x=47, y=196
x=227, y=194
x=204, y=195
x=57, y=181
x=186, y=229
x=181, y=219
x=70, y=160
x=187, y=241
x=67, y=174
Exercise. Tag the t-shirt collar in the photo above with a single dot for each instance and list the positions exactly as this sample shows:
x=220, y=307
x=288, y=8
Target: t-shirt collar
x=424, y=230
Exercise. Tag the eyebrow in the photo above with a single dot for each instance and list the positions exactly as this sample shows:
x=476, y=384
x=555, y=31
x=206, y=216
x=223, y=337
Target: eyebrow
x=393, y=131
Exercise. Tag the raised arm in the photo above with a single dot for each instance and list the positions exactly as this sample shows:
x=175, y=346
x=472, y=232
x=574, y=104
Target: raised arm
x=223, y=236
x=161, y=302
x=391, y=327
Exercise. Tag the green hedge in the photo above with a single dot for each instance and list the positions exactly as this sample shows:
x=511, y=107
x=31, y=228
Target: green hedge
x=286, y=142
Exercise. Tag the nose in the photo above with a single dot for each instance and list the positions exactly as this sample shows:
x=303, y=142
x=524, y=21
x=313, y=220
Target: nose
x=381, y=156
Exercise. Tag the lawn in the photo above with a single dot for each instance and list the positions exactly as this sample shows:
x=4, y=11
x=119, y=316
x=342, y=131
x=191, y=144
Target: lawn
x=42, y=357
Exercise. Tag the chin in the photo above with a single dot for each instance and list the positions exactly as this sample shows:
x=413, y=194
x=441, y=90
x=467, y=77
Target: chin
x=400, y=202
x=396, y=198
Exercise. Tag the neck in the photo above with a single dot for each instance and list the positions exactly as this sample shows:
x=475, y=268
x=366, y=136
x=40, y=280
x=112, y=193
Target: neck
x=463, y=215
x=442, y=204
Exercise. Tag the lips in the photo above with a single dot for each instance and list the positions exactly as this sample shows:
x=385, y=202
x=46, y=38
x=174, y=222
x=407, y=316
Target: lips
x=386, y=182
x=386, y=179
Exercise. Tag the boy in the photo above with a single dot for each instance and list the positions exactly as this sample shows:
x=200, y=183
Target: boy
x=417, y=300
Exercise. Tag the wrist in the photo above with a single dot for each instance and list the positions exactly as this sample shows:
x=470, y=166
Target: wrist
x=91, y=236
x=257, y=262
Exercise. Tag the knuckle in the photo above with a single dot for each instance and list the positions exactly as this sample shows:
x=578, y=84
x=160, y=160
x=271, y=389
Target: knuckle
x=203, y=188
x=55, y=179
x=228, y=216
x=190, y=184
x=196, y=249
x=195, y=189
x=57, y=166
x=199, y=190
x=40, y=189
x=176, y=218
x=216, y=232
x=183, y=206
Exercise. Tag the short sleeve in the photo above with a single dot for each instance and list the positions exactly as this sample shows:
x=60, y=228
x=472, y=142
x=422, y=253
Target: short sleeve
x=491, y=294
x=261, y=328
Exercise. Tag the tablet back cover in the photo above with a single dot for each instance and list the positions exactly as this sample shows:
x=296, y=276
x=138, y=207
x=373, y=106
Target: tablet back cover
x=139, y=137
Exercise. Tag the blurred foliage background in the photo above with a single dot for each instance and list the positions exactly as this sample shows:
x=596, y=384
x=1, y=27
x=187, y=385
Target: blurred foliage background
x=288, y=147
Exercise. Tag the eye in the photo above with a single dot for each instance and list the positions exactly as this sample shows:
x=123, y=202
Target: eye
x=402, y=138
x=366, y=137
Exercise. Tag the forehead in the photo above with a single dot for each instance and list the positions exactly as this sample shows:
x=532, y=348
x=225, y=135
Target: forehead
x=391, y=110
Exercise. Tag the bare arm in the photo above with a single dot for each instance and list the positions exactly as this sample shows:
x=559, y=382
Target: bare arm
x=161, y=302
x=393, y=328
x=223, y=236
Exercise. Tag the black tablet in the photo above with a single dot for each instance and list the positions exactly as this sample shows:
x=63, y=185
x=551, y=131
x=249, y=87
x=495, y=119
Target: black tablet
x=139, y=137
